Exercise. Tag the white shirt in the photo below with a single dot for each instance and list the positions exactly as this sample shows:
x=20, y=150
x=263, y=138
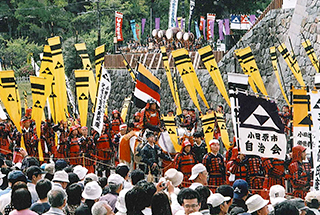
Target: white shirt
x=32, y=190
x=4, y=201
x=194, y=185
x=147, y=211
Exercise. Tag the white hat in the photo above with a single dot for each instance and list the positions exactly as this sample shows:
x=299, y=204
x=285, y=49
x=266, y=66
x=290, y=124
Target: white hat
x=61, y=176
x=123, y=126
x=213, y=141
x=276, y=191
x=92, y=191
x=217, y=199
x=312, y=195
x=174, y=176
x=80, y=171
x=255, y=203
x=93, y=176
x=196, y=169
x=115, y=179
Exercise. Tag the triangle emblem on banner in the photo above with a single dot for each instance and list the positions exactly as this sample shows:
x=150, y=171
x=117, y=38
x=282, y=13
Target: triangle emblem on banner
x=170, y=131
x=37, y=104
x=10, y=98
x=184, y=72
x=213, y=68
x=59, y=65
x=209, y=130
x=261, y=118
x=83, y=97
x=317, y=105
x=306, y=121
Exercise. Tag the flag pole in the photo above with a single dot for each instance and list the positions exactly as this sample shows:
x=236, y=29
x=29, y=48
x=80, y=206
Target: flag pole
x=305, y=40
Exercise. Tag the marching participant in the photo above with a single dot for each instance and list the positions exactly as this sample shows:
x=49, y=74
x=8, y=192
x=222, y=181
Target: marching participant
x=4, y=138
x=151, y=118
x=73, y=147
x=62, y=133
x=104, y=152
x=199, y=147
x=28, y=135
x=275, y=172
x=136, y=122
x=115, y=123
x=87, y=147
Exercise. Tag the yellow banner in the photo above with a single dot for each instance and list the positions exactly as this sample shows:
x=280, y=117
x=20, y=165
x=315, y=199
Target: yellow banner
x=171, y=127
x=25, y=98
x=312, y=56
x=300, y=108
x=179, y=111
x=210, y=63
x=83, y=53
x=223, y=130
x=208, y=123
x=292, y=63
x=125, y=107
x=82, y=88
x=274, y=62
x=169, y=77
x=129, y=70
x=39, y=97
x=99, y=58
x=249, y=67
x=59, y=75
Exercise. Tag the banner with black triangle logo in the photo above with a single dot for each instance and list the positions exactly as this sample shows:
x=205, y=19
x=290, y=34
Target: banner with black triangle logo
x=261, y=131
x=82, y=89
x=208, y=124
x=170, y=124
x=223, y=130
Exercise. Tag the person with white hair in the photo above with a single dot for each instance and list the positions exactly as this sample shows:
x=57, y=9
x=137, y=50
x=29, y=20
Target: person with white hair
x=101, y=208
x=57, y=199
x=115, y=183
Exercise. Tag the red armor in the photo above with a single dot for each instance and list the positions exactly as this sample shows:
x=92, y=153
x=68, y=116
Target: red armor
x=74, y=151
x=103, y=148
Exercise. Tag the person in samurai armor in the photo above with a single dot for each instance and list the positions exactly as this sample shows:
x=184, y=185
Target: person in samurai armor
x=5, y=138
x=286, y=116
x=215, y=165
x=151, y=117
x=300, y=177
x=73, y=147
x=199, y=147
x=115, y=123
x=104, y=152
x=29, y=138
x=275, y=172
x=236, y=167
x=136, y=122
x=184, y=161
x=63, y=133
x=87, y=147
x=150, y=155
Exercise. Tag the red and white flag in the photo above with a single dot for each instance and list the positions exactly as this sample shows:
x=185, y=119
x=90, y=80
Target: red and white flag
x=201, y=23
x=119, y=21
x=210, y=18
x=245, y=22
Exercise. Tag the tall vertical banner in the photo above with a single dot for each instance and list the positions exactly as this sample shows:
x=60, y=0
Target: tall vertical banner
x=192, y=6
x=170, y=124
x=133, y=28
x=99, y=58
x=274, y=62
x=261, y=131
x=173, y=13
x=292, y=63
x=210, y=18
x=102, y=98
x=208, y=122
x=83, y=53
x=211, y=65
x=25, y=98
x=204, y=29
x=59, y=75
x=301, y=119
x=223, y=130
x=198, y=34
x=157, y=23
x=143, y=23
x=82, y=89
x=39, y=97
x=201, y=23
x=220, y=24
x=227, y=26
x=138, y=31
x=118, y=25
x=125, y=107
x=311, y=54
x=179, y=19
x=315, y=113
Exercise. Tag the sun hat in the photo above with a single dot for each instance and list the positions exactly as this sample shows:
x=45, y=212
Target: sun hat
x=276, y=191
x=80, y=171
x=174, y=176
x=61, y=176
x=255, y=203
x=115, y=179
x=93, y=176
x=196, y=169
x=217, y=199
x=92, y=191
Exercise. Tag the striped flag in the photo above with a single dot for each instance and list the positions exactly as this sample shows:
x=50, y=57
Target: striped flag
x=147, y=87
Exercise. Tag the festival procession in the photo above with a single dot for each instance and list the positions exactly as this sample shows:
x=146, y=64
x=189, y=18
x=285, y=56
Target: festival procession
x=198, y=121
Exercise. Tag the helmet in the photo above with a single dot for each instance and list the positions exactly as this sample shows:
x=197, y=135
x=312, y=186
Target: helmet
x=137, y=114
x=115, y=111
x=151, y=101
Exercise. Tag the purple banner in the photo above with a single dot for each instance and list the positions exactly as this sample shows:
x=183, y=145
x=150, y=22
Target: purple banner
x=227, y=26
x=204, y=29
x=220, y=24
x=252, y=19
x=143, y=22
x=177, y=23
x=157, y=22
x=212, y=29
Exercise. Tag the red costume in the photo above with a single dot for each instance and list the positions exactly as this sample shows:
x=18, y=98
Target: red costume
x=115, y=123
x=151, y=117
x=103, y=148
x=274, y=169
x=216, y=169
x=88, y=148
x=4, y=138
x=73, y=150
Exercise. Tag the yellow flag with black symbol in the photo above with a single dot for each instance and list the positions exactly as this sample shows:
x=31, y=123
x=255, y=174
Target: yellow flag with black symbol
x=249, y=67
x=171, y=127
x=223, y=130
x=210, y=63
x=292, y=63
x=129, y=70
x=125, y=107
x=82, y=89
x=179, y=111
x=208, y=123
x=39, y=97
x=301, y=103
x=25, y=98
x=99, y=58
x=59, y=86
x=274, y=62
x=311, y=54
x=83, y=53
x=169, y=77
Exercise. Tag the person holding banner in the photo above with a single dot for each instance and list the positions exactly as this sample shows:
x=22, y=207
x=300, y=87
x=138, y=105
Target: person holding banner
x=151, y=118
x=88, y=148
x=285, y=117
x=28, y=135
x=104, y=152
x=115, y=123
x=73, y=147
x=62, y=132
x=4, y=138
x=199, y=147
x=275, y=172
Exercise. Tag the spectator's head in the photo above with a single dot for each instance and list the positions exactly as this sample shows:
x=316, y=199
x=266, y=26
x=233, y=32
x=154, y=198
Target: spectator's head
x=15, y=176
x=123, y=170
x=43, y=187
x=204, y=193
x=174, y=176
x=60, y=165
x=101, y=208
x=236, y=211
x=92, y=191
x=160, y=204
x=34, y=174
x=240, y=188
x=21, y=199
x=150, y=190
x=134, y=200
x=299, y=204
x=286, y=207
x=80, y=171
x=218, y=203
x=115, y=182
x=62, y=178
x=49, y=168
x=190, y=200
x=136, y=176
x=103, y=182
x=226, y=191
x=57, y=198
x=73, y=178
x=312, y=199
x=277, y=194
x=199, y=174
x=74, y=192
x=18, y=185
x=29, y=161
x=257, y=205
x=91, y=177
